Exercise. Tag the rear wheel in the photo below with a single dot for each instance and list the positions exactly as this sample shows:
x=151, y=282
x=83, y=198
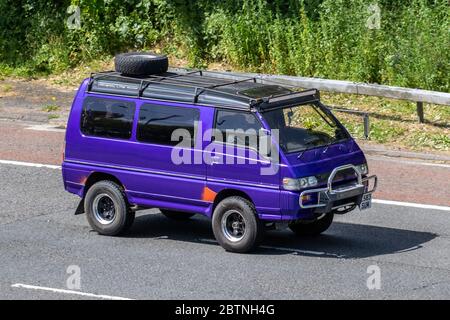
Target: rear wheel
x=177, y=215
x=107, y=209
x=312, y=228
x=236, y=225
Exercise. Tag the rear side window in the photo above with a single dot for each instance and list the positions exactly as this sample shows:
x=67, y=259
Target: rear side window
x=157, y=123
x=107, y=118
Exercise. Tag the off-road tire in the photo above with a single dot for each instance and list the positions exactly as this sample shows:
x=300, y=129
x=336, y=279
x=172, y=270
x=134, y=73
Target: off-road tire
x=141, y=63
x=254, y=228
x=124, y=217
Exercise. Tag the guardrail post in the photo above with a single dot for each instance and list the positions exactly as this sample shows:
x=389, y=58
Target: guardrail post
x=366, y=126
x=420, y=112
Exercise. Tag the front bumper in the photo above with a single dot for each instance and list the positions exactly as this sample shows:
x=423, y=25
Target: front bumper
x=330, y=198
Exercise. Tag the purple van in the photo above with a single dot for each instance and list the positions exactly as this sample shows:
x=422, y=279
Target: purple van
x=249, y=154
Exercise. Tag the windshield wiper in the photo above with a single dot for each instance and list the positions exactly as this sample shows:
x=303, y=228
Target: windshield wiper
x=302, y=151
x=326, y=145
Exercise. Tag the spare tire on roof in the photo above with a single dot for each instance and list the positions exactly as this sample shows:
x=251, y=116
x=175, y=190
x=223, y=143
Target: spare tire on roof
x=141, y=63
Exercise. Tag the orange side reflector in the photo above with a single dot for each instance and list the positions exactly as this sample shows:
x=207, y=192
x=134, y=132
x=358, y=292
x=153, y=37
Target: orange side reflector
x=208, y=195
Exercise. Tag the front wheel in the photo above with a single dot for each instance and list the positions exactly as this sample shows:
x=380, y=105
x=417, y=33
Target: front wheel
x=236, y=225
x=314, y=228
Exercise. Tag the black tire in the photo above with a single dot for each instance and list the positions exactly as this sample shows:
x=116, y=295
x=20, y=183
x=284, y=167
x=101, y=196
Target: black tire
x=304, y=228
x=253, y=227
x=177, y=215
x=141, y=63
x=102, y=194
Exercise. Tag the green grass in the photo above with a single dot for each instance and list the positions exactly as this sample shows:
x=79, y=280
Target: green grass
x=394, y=122
x=72, y=78
x=52, y=116
x=21, y=71
x=51, y=108
x=6, y=88
x=5, y=71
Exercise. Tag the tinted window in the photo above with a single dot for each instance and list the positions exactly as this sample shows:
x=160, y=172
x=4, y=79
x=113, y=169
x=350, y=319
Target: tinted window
x=227, y=122
x=157, y=124
x=107, y=118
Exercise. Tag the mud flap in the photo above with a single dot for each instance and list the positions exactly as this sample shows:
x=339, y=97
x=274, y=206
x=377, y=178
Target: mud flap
x=80, y=208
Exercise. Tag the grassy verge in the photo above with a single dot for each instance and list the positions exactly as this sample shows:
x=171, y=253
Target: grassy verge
x=394, y=122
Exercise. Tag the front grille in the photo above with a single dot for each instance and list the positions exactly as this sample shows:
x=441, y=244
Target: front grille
x=341, y=177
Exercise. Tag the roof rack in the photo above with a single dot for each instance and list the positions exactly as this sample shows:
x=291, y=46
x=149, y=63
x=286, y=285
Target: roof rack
x=195, y=87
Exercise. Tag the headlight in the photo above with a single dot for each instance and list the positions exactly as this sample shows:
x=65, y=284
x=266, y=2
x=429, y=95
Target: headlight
x=363, y=169
x=297, y=184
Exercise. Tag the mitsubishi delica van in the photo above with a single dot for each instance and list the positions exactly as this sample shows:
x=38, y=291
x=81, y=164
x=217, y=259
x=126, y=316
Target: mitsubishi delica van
x=248, y=154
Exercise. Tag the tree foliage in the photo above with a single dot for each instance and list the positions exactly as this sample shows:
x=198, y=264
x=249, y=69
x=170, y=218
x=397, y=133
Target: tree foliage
x=321, y=38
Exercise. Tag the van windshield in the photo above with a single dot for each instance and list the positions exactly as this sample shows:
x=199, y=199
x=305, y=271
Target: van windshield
x=305, y=127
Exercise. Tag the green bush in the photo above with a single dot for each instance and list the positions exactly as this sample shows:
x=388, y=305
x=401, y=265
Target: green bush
x=322, y=38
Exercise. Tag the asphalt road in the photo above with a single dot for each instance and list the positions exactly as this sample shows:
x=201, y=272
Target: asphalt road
x=162, y=259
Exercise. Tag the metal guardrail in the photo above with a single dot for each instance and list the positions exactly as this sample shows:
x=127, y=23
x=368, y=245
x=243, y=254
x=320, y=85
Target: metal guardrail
x=363, y=114
x=415, y=95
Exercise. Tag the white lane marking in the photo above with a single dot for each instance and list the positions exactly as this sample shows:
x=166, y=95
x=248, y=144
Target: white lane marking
x=30, y=164
x=412, y=205
x=429, y=164
x=380, y=201
x=46, y=127
x=299, y=251
x=291, y=250
x=79, y=293
x=409, y=249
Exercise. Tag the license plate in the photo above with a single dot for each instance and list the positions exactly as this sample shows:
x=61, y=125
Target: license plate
x=366, y=201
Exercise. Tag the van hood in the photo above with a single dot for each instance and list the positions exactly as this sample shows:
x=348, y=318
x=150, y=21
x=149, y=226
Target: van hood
x=324, y=159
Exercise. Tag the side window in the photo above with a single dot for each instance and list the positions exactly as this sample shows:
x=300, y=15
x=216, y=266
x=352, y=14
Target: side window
x=240, y=128
x=157, y=123
x=107, y=118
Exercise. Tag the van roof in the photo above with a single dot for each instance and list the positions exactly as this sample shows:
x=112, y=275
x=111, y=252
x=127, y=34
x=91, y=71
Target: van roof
x=194, y=87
